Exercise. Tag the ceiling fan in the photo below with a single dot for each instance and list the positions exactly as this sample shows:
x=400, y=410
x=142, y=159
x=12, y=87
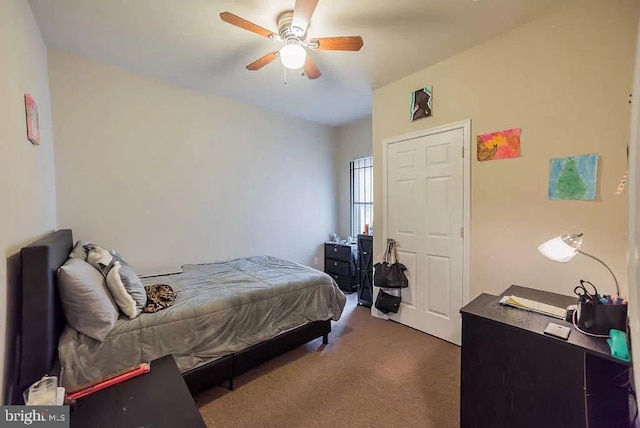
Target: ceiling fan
x=292, y=32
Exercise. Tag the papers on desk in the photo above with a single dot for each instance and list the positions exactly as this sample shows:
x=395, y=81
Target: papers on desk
x=533, y=306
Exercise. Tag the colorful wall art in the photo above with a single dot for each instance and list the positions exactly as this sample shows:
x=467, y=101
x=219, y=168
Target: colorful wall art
x=421, y=103
x=33, y=126
x=499, y=145
x=573, y=178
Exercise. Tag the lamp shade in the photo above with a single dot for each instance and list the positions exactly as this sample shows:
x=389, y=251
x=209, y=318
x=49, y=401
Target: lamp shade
x=564, y=248
x=293, y=56
x=561, y=248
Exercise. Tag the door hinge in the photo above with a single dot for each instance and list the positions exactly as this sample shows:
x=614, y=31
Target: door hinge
x=462, y=232
x=462, y=151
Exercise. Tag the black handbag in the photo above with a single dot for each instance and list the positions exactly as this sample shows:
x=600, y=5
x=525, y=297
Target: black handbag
x=386, y=302
x=390, y=275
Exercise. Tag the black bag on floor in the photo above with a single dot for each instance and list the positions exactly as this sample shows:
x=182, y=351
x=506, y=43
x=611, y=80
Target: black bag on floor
x=386, y=302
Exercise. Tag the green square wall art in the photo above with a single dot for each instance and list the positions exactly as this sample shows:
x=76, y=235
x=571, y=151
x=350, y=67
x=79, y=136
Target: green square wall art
x=573, y=178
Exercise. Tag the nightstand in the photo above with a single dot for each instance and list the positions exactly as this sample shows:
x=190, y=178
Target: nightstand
x=340, y=262
x=159, y=398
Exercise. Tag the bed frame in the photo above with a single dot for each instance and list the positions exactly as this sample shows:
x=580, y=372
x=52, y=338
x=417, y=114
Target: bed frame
x=43, y=320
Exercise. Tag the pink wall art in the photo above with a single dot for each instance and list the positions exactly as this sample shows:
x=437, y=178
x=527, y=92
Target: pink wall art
x=499, y=145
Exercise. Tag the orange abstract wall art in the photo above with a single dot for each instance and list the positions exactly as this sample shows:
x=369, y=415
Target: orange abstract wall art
x=499, y=145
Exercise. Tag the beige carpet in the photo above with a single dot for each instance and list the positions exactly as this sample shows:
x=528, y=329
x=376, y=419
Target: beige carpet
x=372, y=373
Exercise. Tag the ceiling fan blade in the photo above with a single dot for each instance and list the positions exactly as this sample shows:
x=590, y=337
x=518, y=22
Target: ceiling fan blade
x=302, y=13
x=347, y=43
x=262, y=61
x=232, y=19
x=311, y=69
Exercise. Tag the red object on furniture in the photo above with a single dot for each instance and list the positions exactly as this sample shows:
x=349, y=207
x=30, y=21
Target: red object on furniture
x=141, y=369
x=159, y=399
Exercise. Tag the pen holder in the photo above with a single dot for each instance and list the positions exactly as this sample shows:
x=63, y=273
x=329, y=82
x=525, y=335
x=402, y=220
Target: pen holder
x=598, y=318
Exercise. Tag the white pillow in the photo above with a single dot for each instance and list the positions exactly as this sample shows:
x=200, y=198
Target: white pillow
x=99, y=258
x=116, y=279
x=79, y=252
x=122, y=281
x=87, y=303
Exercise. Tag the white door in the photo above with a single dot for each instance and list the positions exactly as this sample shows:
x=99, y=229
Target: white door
x=424, y=213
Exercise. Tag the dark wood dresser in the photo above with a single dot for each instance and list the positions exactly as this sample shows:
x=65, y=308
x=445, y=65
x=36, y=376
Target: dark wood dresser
x=365, y=270
x=340, y=261
x=513, y=375
x=156, y=399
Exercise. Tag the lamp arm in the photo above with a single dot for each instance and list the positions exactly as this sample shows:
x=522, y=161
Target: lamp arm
x=605, y=265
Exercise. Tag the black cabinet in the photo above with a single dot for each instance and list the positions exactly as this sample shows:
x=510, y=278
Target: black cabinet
x=513, y=375
x=159, y=398
x=365, y=270
x=340, y=261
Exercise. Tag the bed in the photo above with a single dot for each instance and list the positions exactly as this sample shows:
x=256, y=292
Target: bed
x=228, y=317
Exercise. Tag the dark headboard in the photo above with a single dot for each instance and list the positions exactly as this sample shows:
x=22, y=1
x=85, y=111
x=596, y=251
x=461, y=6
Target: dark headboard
x=42, y=316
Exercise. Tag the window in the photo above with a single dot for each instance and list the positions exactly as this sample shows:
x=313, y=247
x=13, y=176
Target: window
x=361, y=194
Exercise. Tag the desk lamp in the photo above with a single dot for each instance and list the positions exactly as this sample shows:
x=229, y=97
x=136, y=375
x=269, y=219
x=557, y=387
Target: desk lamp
x=565, y=247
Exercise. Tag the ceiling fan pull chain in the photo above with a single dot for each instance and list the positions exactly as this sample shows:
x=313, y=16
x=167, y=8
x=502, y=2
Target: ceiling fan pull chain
x=285, y=75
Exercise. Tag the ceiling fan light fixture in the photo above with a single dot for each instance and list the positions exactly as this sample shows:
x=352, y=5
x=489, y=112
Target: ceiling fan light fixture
x=293, y=56
x=292, y=32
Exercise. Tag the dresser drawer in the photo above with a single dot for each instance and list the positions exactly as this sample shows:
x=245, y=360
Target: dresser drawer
x=344, y=282
x=337, y=266
x=337, y=252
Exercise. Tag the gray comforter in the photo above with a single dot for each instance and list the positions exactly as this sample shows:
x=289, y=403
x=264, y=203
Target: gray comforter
x=221, y=308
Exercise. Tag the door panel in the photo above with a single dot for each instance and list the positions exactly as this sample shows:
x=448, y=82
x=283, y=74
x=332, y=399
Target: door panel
x=424, y=214
x=439, y=298
x=405, y=159
x=438, y=154
x=406, y=218
x=409, y=295
x=438, y=219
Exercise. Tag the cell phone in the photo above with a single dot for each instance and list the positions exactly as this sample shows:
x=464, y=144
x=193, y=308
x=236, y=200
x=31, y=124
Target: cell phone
x=556, y=330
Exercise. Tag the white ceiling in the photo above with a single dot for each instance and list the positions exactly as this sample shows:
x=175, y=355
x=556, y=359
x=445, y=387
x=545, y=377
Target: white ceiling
x=185, y=42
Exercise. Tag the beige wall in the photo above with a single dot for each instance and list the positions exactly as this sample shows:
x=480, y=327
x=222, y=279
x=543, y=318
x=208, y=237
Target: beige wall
x=169, y=176
x=352, y=141
x=27, y=187
x=633, y=192
x=565, y=79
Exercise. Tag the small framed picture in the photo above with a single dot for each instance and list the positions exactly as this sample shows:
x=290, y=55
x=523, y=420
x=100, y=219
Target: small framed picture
x=421, y=103
x=33, y=124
